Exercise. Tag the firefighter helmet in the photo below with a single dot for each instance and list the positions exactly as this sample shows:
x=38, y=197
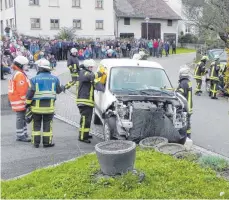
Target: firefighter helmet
x=89, y=63
x=74, y=50
x=204, y=58
x=184, y=71
x=20, y=61
x=44, y=64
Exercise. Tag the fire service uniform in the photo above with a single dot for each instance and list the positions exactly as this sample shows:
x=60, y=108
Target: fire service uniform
x=41, y=100
x=214, y=78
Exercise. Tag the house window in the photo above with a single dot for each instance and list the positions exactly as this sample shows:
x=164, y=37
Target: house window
x=54, y=3
x=99, y=24
x=35, y=23
x=10, y=3
x=12, y=22
x=55, y=23
x=126, y=21
x=6, y=4
x=170, y=22
x=34, y=2
x=99, y=4
x=187, y=29
x=75, y=3
x=126, y=35
x=77, y=23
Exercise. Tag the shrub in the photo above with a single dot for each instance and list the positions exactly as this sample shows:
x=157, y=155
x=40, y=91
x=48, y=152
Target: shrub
x=214, y=162
x=66, y=33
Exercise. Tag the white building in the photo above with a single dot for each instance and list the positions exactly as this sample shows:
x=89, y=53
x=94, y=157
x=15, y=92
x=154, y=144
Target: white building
x=184, y=25
x=131, y=14
x=90, y=18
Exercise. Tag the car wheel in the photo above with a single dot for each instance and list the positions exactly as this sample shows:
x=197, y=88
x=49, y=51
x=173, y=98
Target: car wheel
x=109, y=128
x=97, y=120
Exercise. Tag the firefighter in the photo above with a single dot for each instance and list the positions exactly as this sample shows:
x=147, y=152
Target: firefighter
x=214, y=77
x=18, y=86
x=85, y=98
x=199, y=72
x=185, y=88
x=41, y=98
x=73, y=65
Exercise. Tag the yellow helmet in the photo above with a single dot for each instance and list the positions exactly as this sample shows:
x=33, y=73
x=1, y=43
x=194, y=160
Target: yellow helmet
x=204, y=58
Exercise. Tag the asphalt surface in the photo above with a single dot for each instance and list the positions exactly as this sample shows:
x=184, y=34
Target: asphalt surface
x=18, y=158
x=210, y=127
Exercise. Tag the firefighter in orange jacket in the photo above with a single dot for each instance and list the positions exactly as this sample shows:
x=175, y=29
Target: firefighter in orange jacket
x=18, y=86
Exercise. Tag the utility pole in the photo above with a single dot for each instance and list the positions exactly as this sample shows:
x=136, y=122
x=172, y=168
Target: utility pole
x=147, y=24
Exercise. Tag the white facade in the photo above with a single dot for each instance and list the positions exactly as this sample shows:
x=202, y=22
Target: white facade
x=136, y=24
x=62, y=13
x=184, y=25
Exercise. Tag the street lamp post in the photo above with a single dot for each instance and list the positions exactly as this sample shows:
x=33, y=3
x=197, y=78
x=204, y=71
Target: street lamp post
x=147, y=24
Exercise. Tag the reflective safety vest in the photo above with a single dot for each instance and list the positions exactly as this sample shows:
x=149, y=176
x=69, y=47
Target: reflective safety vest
x=17, y=89
x=214, y=72
x=43, y=92
x=199, y=71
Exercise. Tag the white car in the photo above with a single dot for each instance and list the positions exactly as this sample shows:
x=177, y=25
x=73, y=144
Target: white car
x=138, y=101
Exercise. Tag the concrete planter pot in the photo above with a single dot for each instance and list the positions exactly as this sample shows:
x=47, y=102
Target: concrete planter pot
x=171, y=148
x=152, y=142
x=116, y=156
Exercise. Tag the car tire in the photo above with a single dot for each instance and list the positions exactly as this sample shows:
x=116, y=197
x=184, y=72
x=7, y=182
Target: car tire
x=109, y=128
x=97, y=120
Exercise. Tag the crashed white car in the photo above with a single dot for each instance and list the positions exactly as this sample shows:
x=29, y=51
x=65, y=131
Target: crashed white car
x=139, y=102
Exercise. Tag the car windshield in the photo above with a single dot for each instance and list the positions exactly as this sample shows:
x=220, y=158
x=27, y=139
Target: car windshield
x=221, y=53
x=133, y=79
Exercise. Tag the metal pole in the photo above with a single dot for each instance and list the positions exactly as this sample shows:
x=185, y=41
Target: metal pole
x=147, y=30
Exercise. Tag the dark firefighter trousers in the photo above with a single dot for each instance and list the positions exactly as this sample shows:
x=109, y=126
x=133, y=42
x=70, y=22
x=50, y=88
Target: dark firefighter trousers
x=214, y=88
x=72, y=83
x=198, y=85
x=189, y=125
x=47, y=120
x=85, y=121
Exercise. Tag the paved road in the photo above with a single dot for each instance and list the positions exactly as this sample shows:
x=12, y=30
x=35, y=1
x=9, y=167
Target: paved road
x=20, y=158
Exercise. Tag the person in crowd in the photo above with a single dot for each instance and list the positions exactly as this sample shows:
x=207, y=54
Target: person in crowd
x=34, y=48
x=150, y=46
x=174, y=47
x=59, y=50
x=52, y=61
x=65, y=49
x=87, y=53
x=54, y=49
x=166, y=47
x=155, y=48
x=97, y=49
x=26, y=43
x=5, y=65
x=160, y=48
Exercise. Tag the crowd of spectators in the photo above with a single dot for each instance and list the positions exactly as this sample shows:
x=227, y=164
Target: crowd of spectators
x=57, y=50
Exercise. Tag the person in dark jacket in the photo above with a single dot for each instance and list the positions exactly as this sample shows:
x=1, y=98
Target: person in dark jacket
x=26, y=43
x=73, y=66
x=40, y=99
x=199, y=72
x=59, y=50
x=65, y=49
x=54, y=50
x=85, y=98
x=214, y=77
x=185, y=88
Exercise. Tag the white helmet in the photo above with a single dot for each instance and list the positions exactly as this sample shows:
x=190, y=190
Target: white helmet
x=44, y=64
x=184, y=71
x=42, y=53
x=74, y=50
x=141, y=53
x=89, y=63
x=20, y=61
x=137, y=57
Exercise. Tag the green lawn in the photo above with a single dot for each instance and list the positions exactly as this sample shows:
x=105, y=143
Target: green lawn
x=181, y=50
x=165, y=177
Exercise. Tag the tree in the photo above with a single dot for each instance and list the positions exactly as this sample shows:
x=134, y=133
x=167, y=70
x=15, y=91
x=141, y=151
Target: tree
x=66, y=33
x=210, y=15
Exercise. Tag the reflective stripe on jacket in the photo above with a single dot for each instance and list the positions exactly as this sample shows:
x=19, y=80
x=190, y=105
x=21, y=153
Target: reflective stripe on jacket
x=73, y=65
x=199, y=70
x=185, y=88
x=42, y=94
x=214, y=72
x=86, y=88
x=17, y=89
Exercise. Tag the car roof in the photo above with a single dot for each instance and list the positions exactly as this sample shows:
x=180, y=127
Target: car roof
x=109, y=63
